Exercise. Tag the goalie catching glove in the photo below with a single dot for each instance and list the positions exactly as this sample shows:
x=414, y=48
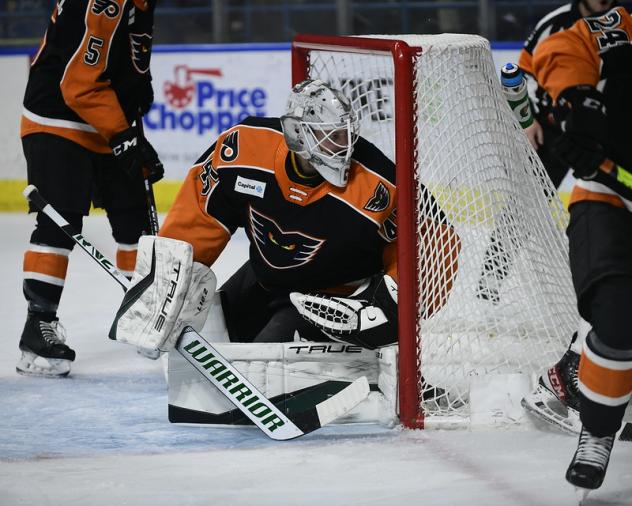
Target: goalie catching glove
x=169, y=291
x=368, y=317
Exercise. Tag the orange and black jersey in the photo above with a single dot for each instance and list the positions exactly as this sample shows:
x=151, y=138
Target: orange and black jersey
x=302, y=237
x=91, y=73
x=594, y=51
x=555, y=21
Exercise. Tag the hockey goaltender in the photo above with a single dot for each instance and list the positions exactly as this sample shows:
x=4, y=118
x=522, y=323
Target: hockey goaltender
x=318, y=204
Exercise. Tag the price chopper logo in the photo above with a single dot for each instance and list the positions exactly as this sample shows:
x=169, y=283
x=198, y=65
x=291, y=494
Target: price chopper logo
x=195, y=102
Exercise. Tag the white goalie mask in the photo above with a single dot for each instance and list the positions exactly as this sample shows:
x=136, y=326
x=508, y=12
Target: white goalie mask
x=321, y=126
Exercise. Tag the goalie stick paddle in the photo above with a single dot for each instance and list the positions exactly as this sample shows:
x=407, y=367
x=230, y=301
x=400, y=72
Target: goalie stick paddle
x=218, y=370
x=261, y=411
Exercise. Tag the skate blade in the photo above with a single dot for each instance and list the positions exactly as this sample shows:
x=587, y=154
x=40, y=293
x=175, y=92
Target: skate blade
x=581, y=494
x=539, y=403
x=32, y=364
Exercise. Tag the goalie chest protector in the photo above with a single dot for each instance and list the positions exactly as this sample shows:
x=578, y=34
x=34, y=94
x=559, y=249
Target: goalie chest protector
x=301, y=237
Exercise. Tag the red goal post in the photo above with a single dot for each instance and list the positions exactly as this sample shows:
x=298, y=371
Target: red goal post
x=403, y=55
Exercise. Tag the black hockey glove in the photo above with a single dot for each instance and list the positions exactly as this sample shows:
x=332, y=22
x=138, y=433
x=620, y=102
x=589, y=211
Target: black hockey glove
x=136, y=156
x=367, y=318
x=583, y=119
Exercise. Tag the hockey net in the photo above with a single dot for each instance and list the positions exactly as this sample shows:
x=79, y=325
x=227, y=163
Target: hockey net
x=434, y=105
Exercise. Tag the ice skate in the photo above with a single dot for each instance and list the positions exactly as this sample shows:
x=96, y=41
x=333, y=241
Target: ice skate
x=556, y=398
x=588, y=468
x=44, y=352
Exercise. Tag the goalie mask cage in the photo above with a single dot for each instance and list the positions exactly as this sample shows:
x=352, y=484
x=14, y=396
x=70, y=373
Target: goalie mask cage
x=499, y=300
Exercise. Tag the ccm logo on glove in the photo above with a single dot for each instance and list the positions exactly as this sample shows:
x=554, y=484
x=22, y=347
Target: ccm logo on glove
x=124, y=146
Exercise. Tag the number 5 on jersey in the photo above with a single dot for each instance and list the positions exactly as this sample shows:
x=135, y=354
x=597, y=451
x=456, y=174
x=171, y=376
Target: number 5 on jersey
x=92, y=54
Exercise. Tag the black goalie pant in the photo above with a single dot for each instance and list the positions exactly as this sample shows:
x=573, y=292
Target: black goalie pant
x=254, y=314
x=600, y=238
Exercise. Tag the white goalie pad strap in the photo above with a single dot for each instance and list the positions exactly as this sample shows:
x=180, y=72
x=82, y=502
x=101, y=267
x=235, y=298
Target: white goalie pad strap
x=197, y=303
x=152, y=305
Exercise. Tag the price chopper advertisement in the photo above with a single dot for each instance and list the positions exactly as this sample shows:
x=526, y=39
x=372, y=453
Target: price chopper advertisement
x=197, y=95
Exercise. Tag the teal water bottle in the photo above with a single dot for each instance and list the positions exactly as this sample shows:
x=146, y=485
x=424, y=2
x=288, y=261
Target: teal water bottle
x=514, y=87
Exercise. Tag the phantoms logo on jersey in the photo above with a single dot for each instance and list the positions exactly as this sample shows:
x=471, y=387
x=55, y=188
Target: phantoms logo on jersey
x=108, y=7
x=380, y=199
x=230, y=147
x=140, y=45
x=388, y=230
x=279, y=248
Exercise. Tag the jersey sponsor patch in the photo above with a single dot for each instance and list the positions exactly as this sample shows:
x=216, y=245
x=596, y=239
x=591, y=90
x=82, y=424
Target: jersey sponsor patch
x=380, y=199
x=140, y=46
x=108, y=7
x=279, y=248
x=250, y=186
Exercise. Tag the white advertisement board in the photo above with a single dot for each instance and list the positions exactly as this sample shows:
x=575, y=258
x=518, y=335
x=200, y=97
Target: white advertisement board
x=200, y=93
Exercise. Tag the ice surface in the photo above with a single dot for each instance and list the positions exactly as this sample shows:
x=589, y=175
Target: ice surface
x=101, y=437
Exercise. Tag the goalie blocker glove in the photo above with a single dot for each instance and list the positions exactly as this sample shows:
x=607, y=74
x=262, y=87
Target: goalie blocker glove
x=135, y=155
x=582, y=114
x=368, y=317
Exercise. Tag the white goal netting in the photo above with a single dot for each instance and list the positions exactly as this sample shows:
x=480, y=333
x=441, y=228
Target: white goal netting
x=511, y=308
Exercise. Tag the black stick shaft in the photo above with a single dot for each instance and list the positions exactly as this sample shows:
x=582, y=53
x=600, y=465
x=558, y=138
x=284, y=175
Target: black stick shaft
x=149, y=190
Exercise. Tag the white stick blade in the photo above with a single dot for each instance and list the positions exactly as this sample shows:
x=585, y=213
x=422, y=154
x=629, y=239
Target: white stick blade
x=343, y=402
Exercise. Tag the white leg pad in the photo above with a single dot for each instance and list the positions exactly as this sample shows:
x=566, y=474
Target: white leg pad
x=277, y=369
x=168, y=291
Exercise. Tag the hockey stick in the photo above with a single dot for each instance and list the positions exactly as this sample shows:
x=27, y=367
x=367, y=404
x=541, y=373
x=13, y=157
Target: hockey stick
x=219, y=371
x=149, y=190
x=32, y=194
x=252, y=403
x=610, y=170
x=151, y=206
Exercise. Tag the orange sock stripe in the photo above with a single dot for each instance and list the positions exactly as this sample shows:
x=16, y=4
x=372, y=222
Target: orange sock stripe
x=126, y=260
x=603, y=381
x=49, y=264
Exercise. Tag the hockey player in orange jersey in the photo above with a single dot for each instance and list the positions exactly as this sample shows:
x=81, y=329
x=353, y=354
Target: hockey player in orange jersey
x=543, y=132
x=570, y=66
x=87, y=84
x=318, y=204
